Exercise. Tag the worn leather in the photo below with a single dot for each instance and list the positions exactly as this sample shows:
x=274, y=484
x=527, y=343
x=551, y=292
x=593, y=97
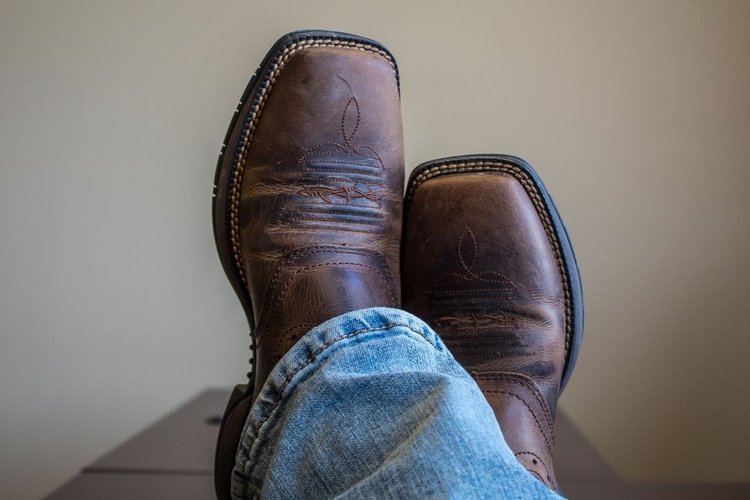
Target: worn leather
x=309, y=200
x=525, y=418
x=321, y=197
x=479, y=266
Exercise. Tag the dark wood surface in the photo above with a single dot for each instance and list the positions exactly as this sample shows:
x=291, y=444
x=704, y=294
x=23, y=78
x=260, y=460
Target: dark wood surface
x=125, y=486
x=620, y=490
x=173, y=458
x=183, y=442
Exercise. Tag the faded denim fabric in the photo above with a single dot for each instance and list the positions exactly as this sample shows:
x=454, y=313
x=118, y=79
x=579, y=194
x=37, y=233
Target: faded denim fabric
x=371, y=404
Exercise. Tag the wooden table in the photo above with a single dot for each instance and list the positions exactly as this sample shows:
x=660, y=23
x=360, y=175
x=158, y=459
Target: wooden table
x=173, y=459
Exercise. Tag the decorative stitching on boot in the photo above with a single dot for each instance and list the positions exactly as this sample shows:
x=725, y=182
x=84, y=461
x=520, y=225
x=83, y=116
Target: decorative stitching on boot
x=251, y=123
x=350, y=147
x=536, y=199
x=528, y=407
x=536, y=458
x=531, y=387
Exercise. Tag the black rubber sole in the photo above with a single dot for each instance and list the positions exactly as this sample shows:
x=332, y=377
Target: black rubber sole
x=226, y=176
x=483, y=163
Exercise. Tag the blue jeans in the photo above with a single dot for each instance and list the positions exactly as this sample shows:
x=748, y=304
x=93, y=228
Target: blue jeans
x=372, y=404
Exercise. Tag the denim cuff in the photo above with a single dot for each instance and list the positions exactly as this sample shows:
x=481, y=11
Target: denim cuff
x=300, y=363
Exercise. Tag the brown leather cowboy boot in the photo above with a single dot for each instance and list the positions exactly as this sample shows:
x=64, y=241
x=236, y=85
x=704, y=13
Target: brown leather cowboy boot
x=308, y=199
x=488, y=265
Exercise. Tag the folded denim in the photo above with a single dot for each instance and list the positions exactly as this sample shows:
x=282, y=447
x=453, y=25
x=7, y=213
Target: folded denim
x=372, y=404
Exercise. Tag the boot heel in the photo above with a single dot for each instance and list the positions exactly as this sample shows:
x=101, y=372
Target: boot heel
x=229, y=437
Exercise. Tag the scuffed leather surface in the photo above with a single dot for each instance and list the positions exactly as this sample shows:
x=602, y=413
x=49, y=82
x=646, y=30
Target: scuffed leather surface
x=479, y=268
x=525, y=419
x=320, y=203
x=308, y=200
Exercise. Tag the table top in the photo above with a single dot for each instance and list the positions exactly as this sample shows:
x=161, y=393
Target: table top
x=183, y=443
x=173, y=458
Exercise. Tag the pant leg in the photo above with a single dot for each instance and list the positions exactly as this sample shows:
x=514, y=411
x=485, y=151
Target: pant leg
x=372, y=404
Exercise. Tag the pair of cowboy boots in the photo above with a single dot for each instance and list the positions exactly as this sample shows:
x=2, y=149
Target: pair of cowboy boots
x=310, y=222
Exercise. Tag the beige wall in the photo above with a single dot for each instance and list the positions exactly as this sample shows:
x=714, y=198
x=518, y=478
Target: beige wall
x=113, y=306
